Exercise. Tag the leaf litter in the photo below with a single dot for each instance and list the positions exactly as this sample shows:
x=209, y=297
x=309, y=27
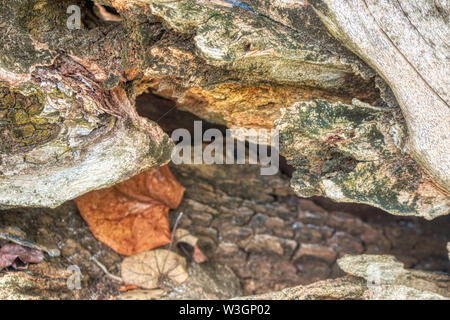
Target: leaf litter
x=18, y=257
x=147, y=269
x=133, y=216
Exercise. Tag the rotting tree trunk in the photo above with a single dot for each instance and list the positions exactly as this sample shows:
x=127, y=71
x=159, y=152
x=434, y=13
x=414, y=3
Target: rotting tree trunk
x=252, y=224
x=68, y=123
x=406, y=42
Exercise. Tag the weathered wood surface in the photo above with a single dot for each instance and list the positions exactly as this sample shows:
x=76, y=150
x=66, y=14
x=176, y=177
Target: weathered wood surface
x=68, y=122
x=370, y=277
x=406, y=42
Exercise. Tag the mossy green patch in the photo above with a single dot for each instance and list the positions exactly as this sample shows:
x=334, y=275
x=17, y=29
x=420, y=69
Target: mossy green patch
x=20, y=121
x=347, y=152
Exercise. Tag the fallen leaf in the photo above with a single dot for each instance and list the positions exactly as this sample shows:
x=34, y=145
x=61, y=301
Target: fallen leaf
x=10, y=254
x=132, y=216
x=125, y=225
x=184, y=236
x=155, y=184
x=198, y=256
x=146, y=268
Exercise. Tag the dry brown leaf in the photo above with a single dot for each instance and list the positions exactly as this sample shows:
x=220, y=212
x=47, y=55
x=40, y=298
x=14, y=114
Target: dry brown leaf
x=10, y=254
x=184, y=236
x=132, y=217
x=198, y=256
x=146, y=268
x=125, y=225
x=155, y=184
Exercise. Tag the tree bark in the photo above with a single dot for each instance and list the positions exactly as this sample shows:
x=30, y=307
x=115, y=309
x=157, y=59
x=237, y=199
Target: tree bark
x=406, y=43
x=68, y=122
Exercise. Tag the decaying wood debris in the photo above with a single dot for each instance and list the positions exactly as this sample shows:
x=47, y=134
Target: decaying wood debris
x=69, y=124
x=133, y=216
x=258, y=236
x=358, y=89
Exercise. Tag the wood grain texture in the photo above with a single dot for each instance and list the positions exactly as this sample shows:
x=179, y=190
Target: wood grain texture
x=405, y=42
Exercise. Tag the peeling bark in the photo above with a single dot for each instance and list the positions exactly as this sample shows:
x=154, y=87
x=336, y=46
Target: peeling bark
x=405, y=42
x=237, y=65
